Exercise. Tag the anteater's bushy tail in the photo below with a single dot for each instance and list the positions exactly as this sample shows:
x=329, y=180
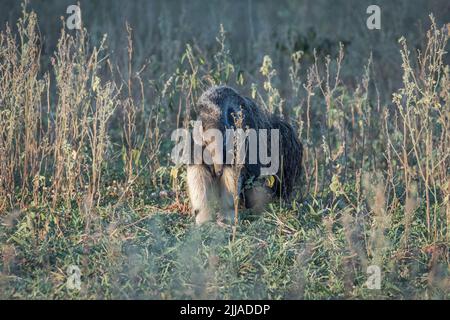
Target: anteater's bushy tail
x=291, y=153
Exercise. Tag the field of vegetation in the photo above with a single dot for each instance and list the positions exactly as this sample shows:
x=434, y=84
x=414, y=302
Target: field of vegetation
x=86, y=178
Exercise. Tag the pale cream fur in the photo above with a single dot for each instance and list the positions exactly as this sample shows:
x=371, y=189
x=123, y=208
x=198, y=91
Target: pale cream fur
x=205, y=190
x=228, y=191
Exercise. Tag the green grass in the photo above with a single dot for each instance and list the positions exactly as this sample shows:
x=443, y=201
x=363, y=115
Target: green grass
x=304, y=252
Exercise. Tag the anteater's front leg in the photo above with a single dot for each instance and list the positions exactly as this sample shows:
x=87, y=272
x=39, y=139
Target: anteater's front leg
x=202, y=188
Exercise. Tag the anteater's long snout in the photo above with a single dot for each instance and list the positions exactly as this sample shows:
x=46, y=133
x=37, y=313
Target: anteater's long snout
x=218, y=169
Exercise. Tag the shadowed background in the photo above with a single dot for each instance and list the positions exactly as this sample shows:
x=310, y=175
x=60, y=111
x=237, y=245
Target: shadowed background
x=254, y=29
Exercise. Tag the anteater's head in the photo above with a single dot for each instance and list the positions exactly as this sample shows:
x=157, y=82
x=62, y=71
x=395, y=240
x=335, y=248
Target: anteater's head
x=216, y=110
